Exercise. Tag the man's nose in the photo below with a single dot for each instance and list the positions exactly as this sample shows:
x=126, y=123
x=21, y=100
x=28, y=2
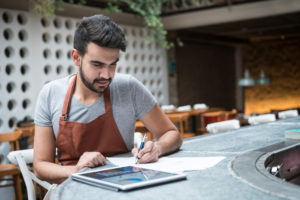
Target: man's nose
x=105, y=72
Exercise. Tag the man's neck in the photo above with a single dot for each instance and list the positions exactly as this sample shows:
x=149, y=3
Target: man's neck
x=85, y=95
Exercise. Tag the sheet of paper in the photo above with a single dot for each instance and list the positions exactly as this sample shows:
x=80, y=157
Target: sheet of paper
x=174, y=164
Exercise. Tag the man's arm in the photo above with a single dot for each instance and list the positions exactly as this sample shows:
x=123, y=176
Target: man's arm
x=168, y=137
x=45, y=167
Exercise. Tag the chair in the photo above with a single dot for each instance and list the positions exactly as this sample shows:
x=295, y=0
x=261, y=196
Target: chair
x=223, y=126
x=181, y=119
x=10, y=170
x=21, y=159
x=287, y=114
x=140, y=128
x=260, y=119
x=27, y=129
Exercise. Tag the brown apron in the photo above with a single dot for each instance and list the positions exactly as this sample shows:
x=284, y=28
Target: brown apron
x=75, y=138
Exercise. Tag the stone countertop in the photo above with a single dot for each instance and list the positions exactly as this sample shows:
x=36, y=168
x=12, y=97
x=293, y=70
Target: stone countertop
x=218, y=182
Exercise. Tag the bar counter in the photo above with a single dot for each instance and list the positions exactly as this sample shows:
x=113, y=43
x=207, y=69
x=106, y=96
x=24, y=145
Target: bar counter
x=235, y=177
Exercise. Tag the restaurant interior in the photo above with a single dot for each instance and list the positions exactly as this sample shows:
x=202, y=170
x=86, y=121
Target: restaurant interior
x=232, y=64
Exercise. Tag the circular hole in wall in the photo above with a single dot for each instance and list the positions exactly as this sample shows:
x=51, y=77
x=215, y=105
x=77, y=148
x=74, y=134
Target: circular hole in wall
x=69, y=54
x=8, y=34
x=149, y=45
x=133, y=32
x=1, y=123
x=57, y=38
x=25, y=87
x=150, y=57
x=58, y=54
x=45, y=22
x=23, y=52
x=11, y=122
x=68, y=24
x=142, y=45
x=57, y=23
x=157, y=58
x=47, y=69
x=150, y=70
x=144, y=70
x=143, y=57
x=47, y=53
x=158, y=82
x=26, y=103
x=159, y=94
x=22, y=35
x=134, y=44
x=28, y=118
x=24, y=69
x=119, y=70
x=135, y=57
x=0, y=105
x=7, y=17
x=151, y=82
x=127, y=56
x=9, y=69
x=158, y=70
x=69, y=39
x=71, y=69
x=59, y=69
x=136, y=70
x=11, y=104
x=144, y=82
x=22, y=19
x=141, y=32
x=46, y=37
x=128, y=70
x=9, y=52
x=10, y=87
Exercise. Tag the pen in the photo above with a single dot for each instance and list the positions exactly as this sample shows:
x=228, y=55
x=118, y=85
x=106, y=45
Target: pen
x=141, y=147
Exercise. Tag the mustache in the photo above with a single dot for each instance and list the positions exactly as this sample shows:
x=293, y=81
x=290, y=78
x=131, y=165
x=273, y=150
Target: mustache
x=102, y=79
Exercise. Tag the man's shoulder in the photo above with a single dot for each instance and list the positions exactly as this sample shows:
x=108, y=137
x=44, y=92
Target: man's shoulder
x=56, y=85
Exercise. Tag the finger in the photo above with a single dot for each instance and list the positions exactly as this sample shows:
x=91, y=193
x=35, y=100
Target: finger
x=148, y=148
x=134, y=152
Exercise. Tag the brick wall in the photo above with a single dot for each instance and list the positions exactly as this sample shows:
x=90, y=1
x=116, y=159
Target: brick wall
x=281, y=61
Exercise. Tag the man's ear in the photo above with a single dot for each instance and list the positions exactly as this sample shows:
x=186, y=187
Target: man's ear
x=76, y=57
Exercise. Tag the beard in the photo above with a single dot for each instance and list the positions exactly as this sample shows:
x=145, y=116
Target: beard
x=90, y=85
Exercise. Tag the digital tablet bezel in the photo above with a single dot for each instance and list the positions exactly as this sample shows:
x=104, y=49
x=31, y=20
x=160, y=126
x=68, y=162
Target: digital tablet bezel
x=113, y=186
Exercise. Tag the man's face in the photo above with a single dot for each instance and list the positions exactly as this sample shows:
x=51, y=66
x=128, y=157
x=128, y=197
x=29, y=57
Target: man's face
x=97, y=67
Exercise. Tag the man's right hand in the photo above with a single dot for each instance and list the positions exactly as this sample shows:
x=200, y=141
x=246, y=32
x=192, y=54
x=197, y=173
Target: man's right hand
x=90, y=159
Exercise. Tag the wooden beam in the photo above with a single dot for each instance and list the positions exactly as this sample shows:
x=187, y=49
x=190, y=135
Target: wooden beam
x=231, y=13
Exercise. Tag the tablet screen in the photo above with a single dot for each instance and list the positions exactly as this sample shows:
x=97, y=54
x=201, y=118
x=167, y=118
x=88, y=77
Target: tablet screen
x=127, y=175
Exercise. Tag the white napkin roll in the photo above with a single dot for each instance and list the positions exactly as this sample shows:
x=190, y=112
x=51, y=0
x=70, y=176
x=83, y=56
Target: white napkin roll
x=200, y=106
x=261, y=119
x=168, y=107
x=287, y=114
x=223, y=126
x=184, y=108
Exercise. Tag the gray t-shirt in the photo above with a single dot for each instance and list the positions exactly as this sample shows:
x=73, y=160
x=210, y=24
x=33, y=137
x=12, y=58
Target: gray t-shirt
x=130, y=99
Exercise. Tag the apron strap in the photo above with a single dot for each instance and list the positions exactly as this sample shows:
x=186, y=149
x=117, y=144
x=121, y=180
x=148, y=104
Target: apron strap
x=69, y=94
x=68, y=98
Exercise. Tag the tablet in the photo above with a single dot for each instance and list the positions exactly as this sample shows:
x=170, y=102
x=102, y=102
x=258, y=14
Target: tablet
x=126, y=178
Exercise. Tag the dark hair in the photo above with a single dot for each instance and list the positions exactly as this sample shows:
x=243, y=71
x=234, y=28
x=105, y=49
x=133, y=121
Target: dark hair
x=100, y=30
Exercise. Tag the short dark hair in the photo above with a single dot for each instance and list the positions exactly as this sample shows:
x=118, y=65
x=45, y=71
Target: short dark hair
x=100, y=30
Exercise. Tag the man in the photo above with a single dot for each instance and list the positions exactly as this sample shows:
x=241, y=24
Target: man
x=92, y=114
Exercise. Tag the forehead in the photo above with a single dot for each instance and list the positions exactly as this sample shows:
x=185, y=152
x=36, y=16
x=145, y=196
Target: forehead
x=94, y=51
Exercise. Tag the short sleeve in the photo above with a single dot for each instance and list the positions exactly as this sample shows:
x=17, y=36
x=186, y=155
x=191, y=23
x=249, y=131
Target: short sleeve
x=42, y=115
x=142, y=98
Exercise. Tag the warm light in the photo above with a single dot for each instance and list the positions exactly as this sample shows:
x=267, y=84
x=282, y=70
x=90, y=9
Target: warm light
x=262, y=80
x=246, y=80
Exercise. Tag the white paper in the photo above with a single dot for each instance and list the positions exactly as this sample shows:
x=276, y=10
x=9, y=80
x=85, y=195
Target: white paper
x=175, y=164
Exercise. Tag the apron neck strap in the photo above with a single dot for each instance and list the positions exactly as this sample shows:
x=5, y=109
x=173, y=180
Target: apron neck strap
x=70, y=92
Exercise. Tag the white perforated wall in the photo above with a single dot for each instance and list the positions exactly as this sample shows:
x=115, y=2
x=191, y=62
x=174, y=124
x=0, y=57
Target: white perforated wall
x=34, y=51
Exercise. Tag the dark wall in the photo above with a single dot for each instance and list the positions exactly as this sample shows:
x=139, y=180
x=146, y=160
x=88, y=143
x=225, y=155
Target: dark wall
x=206, y=74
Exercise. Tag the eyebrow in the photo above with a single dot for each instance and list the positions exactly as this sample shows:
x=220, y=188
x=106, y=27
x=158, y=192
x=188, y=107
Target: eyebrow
x=97, y=62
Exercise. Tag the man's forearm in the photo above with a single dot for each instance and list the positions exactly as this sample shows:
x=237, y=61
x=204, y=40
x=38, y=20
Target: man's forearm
x=169, y=142
x=52, y=172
